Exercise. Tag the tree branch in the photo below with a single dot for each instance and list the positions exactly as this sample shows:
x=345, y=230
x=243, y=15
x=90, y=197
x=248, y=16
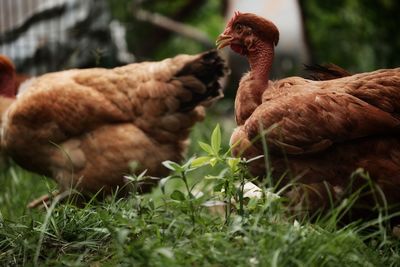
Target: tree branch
x=174, y=26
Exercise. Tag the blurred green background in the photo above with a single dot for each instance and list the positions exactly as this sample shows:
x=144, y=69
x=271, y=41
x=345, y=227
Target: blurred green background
x=150, y=42
x=355, y=34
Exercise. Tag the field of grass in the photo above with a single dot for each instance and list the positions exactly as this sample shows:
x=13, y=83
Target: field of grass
x=174, y=227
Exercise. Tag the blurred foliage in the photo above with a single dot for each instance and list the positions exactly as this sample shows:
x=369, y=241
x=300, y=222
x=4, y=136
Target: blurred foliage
x=149, y=42
x=356, y=34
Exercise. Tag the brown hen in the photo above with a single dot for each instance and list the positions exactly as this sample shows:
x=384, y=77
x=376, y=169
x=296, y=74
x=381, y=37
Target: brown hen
x=10, y=82
x=84, y=127
x=317, y=132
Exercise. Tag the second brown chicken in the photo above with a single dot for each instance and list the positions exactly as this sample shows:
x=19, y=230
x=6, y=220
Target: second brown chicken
x=84, y=127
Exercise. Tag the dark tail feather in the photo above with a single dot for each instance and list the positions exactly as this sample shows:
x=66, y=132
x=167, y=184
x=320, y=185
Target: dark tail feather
x=325, y=72
x=208, y=69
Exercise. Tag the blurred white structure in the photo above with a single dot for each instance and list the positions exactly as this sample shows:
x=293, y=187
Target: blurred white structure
x=50, y=27
x=49, y=35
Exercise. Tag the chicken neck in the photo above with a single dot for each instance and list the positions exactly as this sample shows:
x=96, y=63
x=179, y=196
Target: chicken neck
x=251, y=89
x=260, y=59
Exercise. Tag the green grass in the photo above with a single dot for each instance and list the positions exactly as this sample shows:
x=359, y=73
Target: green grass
x=166, y=228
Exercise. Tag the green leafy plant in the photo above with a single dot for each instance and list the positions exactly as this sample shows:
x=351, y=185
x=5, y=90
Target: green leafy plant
x=180, y=172
x=233, y=176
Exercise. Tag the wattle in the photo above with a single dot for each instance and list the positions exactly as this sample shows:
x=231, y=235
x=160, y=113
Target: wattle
x=238, y=49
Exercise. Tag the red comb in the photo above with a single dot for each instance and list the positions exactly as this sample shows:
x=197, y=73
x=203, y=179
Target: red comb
x=232, y=20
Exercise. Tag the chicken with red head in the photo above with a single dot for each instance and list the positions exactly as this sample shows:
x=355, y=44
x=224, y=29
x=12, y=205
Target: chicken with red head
x=317, y=132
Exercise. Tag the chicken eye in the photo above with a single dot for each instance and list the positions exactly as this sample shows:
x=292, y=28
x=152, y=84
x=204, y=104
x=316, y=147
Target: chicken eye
x=248, y=32
x=238, y=27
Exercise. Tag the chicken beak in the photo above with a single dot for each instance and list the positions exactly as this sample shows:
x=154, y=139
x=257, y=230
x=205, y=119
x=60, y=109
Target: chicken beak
x=223, y=40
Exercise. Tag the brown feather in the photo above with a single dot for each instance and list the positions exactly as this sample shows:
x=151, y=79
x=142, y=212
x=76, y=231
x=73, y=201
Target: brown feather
x=325, y=72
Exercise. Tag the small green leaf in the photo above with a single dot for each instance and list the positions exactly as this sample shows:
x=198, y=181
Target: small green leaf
x=177, y=195
x=188, y=163
x=213, y=161
x=172, y=165
x=206, y=147
x=151, y=204
x=163, y=182
x=200, y=161
x=216, y=139
x=141, y=176
x=233, y=163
